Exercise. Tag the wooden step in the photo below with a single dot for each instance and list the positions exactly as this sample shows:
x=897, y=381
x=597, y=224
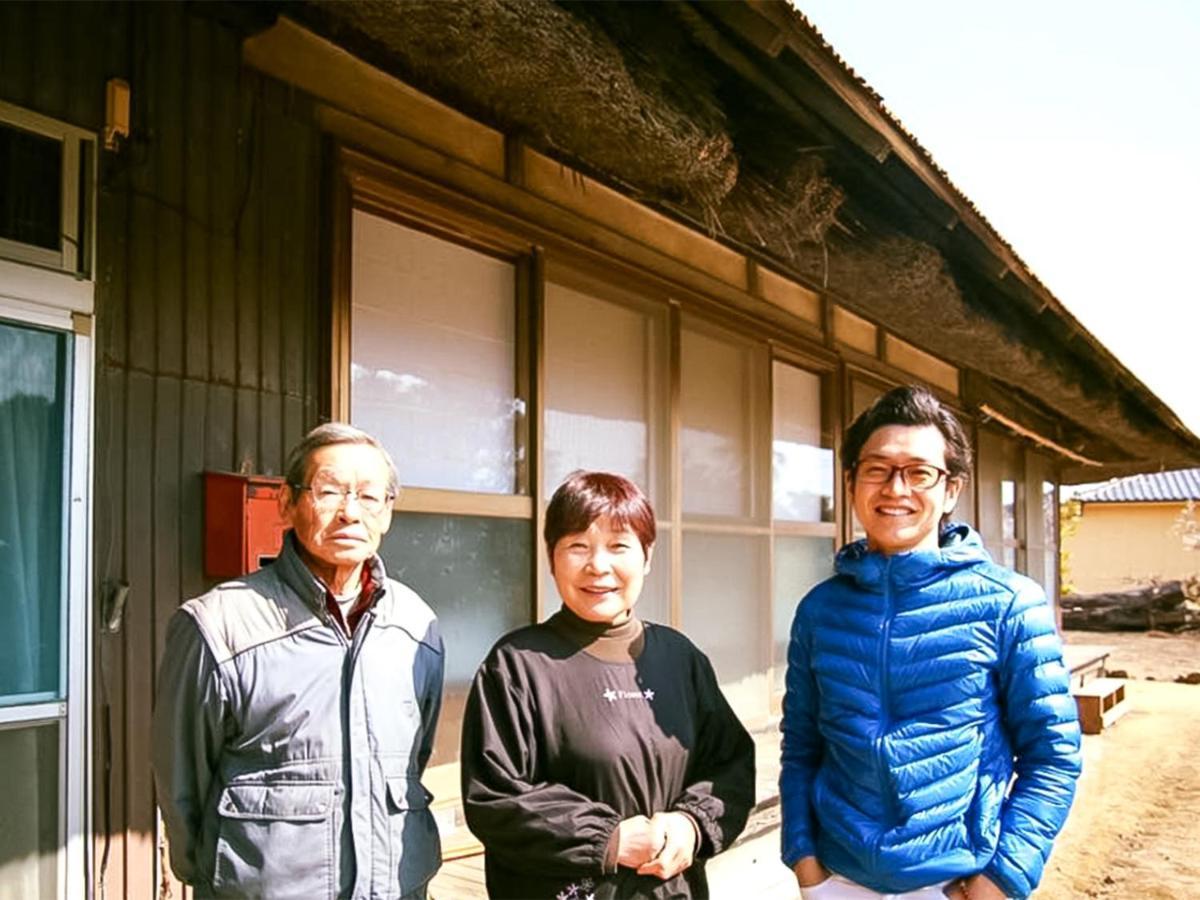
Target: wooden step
x=1101, y=702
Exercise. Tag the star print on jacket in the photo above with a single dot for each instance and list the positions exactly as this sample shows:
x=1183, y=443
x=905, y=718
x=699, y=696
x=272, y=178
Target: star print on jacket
x=612, y=696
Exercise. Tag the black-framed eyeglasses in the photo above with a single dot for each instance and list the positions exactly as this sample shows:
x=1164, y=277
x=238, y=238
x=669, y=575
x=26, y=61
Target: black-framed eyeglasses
x=328, y=497
x=917, y=476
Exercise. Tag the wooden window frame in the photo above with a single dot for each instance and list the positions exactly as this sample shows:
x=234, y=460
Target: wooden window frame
x=360, y=181
x=368, y=186
x=827, y=370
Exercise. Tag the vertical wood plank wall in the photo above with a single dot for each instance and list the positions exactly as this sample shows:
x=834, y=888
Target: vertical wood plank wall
x=207, y=344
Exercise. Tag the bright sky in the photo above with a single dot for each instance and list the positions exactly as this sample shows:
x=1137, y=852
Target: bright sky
x=1074, y=126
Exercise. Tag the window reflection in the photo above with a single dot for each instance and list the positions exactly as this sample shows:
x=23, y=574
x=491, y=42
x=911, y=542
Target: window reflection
x=802, y=461
x=474, y=571
x=721, y=380
x=433, y=348
x=33, y=411
x=605, y=364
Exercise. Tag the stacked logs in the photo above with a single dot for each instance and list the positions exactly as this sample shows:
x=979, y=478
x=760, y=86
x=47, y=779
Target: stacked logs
x=1164, y=606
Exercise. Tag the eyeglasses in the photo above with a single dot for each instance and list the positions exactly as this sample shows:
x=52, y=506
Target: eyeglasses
x=372, y=499
x=918, y=476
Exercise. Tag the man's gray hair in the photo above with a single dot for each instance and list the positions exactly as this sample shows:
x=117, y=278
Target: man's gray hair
x=326, y=435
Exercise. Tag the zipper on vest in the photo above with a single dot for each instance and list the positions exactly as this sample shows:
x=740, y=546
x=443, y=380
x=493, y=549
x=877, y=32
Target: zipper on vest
x=360, y=635
x=885, y=634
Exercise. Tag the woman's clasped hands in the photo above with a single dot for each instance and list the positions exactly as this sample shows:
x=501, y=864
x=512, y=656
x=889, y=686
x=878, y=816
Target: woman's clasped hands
x=662, y=846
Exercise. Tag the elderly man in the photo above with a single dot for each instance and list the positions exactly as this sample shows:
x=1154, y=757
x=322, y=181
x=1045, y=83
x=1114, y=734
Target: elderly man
x=296, y=706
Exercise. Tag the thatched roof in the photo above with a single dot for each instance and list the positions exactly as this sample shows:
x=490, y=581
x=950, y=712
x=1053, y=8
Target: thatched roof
x=743, y=121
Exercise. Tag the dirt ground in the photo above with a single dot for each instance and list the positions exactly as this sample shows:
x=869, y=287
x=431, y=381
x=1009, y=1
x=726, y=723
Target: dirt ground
x=1155, y=654
x=1135, y=828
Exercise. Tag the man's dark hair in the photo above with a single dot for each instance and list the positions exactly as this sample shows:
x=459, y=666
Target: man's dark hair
x=910, y=405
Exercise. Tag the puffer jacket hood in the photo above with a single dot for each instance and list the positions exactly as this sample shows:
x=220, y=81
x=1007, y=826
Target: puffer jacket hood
x=918, y=685
x=959, y=546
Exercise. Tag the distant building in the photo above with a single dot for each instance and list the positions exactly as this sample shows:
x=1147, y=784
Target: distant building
x=1129, y=532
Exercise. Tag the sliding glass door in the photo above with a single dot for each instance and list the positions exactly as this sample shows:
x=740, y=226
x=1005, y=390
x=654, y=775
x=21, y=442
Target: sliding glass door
x=42, y=579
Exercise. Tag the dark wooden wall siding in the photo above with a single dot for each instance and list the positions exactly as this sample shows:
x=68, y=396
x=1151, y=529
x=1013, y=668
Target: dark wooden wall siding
x=207, y=334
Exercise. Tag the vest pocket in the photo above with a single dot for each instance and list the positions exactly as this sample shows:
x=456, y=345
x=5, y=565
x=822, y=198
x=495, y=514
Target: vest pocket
x=275, y=839
x=415, y=846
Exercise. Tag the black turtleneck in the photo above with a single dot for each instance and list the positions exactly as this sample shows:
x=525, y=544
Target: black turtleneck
x=572, y=726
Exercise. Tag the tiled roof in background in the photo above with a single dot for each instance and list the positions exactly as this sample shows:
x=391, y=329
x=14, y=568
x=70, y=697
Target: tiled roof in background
x=1181, y=485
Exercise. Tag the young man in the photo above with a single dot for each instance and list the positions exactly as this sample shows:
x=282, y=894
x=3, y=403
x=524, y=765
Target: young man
x=296, y=706
x=921, y=678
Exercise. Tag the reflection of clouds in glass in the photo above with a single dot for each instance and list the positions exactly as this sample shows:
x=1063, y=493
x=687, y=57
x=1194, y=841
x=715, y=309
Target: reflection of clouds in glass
x=441, y=435
x=28, y=363
x=802, y=480
x=401, y=382
x=391, y=382
x=714, y=469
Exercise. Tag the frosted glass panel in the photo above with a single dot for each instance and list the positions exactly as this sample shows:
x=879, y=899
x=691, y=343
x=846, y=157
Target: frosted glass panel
x=33, y=508
x=717, y=400
x=655, y=603
x=1008, y=506
x=800, y=563
x=433, y=357
x=801, y=466
x=1049, y=568
x=724, y=586
x=475, y=573
x=604, y=388
x=29, y=832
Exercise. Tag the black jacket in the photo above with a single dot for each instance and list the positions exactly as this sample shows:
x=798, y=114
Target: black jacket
x=559, y=747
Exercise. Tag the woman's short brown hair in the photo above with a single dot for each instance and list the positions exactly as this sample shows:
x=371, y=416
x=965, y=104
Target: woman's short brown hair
x=587, y=496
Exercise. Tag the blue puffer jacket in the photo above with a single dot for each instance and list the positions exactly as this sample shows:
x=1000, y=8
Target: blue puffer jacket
x=917, y=686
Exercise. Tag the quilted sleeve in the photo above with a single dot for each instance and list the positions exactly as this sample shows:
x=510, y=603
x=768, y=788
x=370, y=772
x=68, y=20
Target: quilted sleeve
x=1041, y=722
x=801, y=748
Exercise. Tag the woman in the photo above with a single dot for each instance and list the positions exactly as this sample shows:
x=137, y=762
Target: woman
x=921, y=678
x=599, y=758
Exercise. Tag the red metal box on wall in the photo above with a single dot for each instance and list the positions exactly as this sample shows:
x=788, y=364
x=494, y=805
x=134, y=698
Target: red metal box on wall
x=242, y=528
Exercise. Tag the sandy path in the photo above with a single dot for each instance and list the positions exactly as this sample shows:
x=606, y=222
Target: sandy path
x=1135, y=828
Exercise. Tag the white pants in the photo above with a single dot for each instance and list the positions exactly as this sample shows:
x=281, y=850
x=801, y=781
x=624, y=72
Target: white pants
x=835, y=887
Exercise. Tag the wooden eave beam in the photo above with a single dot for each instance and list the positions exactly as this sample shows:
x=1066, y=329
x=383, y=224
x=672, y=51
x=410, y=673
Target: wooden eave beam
x=982, y=392
x=1037, y=438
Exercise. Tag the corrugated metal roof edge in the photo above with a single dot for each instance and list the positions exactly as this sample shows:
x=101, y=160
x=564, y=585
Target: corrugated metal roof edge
x=1176, y=486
